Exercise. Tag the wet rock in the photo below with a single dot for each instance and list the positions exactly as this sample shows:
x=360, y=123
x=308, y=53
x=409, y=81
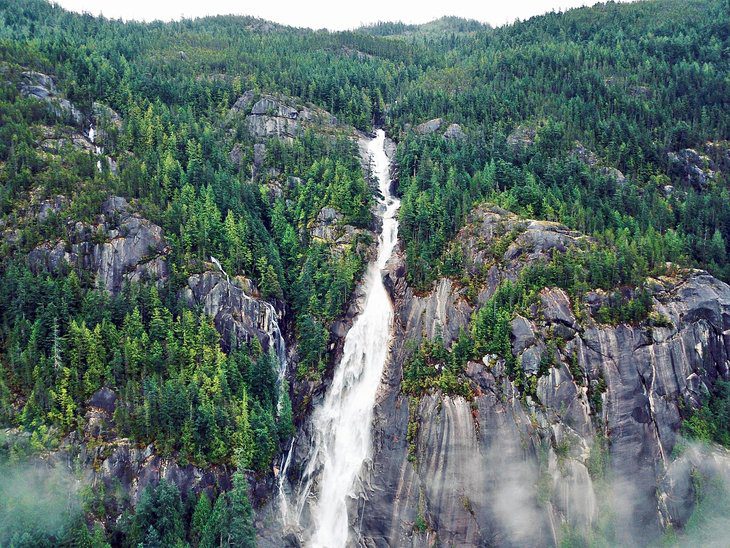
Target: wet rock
x=639, y=381
x=106, y=121
x=560, y=393
x=237, y=316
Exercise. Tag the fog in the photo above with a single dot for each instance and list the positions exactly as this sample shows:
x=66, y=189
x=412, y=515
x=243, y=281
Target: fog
x=37, y=501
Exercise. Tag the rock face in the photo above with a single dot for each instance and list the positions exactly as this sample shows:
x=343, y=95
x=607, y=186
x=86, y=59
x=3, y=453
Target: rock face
x=121, y=246
x=279, y=116
x=508, y=471
x=238, y=317
x=42, y=87
x=696, y=168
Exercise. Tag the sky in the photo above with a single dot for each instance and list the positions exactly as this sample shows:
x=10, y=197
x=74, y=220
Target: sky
x=330, y=14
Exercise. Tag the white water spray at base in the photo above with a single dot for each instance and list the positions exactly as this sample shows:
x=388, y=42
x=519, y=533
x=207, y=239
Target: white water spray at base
x=342, y=424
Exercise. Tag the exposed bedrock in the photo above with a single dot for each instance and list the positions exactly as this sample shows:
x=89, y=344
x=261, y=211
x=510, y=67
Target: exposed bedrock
x=509, y=471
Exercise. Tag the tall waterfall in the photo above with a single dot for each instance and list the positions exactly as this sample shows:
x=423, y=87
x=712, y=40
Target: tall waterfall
x=342, y=424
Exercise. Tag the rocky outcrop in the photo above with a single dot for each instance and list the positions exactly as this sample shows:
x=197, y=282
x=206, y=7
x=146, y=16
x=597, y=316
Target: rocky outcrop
x=120, y=246
x=279, y=116
x=98, y=457
x=453, y=132
x=106, y=121
x=522, y=136
x=590, y=158
x=429, y=126
x=118, y=462
x=54, y=140
x=694, y=167
x=238, y=316
x=330, y=228
x=42, y=87
x=510, y=470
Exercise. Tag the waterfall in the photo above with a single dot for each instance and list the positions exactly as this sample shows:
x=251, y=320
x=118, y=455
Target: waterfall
x=342, y=423
x=97, y=149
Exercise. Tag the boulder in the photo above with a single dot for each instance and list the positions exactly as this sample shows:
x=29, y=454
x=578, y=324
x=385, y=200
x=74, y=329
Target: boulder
x=429, y=126
x=455, y=133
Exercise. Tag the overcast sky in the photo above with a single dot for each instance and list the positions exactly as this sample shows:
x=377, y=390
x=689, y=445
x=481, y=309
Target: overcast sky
x=331, y=14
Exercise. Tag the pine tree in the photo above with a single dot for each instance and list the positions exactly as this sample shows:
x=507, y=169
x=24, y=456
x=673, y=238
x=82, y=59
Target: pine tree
x=199, y=520
x=241, y=530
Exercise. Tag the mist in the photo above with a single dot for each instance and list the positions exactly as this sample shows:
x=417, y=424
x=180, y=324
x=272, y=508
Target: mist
x=38, y=502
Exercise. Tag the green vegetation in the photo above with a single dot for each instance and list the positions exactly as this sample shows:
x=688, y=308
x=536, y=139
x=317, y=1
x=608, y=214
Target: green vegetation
x=711, y=422
x=550, y=108
x=159, y=518
x=177, y=388
x=433, y=366
x=625, y=82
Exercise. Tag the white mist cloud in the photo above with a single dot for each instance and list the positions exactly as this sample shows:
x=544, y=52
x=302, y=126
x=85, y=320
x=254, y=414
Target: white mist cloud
x=36, y=500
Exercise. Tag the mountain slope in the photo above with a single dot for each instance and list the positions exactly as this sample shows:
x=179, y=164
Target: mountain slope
x=187, y=211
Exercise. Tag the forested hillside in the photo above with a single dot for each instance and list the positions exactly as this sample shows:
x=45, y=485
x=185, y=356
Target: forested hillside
x=179, y=201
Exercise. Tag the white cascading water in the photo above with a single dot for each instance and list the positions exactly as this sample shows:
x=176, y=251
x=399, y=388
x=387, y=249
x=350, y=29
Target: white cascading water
x=342, y=424
x=98, y=150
